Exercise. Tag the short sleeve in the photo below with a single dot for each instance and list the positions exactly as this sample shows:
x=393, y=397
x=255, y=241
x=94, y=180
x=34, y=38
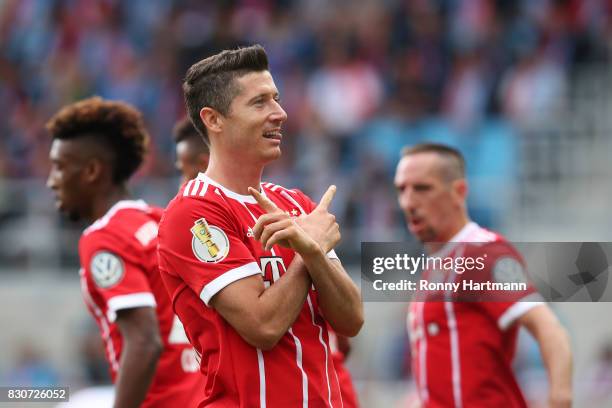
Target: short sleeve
x=505, y=265
x=114, y=274
x=200, y=242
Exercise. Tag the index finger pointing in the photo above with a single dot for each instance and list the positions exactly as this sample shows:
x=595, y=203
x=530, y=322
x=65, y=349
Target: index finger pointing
x=327, y=197
x=263, y=201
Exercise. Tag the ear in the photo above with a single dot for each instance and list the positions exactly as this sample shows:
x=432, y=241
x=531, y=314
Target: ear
x=212, y=119
x=460, y=187
x=92, y=171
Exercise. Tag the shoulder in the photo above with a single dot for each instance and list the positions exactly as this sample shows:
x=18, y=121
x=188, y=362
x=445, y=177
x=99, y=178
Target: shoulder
x=185, y=214
x=502, y=261
x=128, y=225
x=205, y=201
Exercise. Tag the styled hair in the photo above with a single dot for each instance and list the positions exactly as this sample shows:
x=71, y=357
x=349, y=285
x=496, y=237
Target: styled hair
x=454, y=162
x=117, y=126
x=211, y=81
x=184, y=130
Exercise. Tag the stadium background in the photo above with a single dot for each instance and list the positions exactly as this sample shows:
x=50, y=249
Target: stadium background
x=523, y=88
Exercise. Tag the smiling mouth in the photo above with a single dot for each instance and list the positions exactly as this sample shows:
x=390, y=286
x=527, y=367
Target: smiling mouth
x=273, y=134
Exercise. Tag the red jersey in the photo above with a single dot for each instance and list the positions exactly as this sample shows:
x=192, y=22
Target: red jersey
x=119, y=271
x=349, y=396
x=206, y=243
x=462, y=351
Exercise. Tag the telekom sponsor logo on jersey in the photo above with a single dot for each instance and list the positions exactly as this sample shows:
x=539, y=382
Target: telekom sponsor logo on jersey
x=271, y=268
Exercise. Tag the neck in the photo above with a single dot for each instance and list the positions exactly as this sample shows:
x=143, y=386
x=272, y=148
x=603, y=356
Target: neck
x=236, y=175
x=457, y=225
x=106, y=199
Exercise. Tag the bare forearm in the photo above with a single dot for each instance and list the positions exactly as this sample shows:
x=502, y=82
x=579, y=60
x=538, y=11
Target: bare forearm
x=339, y=297
x=557, y=357
x=137, y=368
x=287, y=295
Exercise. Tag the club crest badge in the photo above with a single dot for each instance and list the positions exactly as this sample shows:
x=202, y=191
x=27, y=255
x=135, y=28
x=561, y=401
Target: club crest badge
x=509, y=270
x=209, y=243
x=106, y=269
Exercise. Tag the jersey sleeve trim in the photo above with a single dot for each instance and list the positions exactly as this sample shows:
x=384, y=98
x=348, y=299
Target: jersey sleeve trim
x=517, y=310
x=332, y=255
x=133, y=300
x=212, y=288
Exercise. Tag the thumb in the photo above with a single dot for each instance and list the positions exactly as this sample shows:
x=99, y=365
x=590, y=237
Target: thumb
x=327, y=197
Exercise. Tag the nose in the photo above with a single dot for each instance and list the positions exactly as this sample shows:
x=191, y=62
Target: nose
x=279, y=114
x=407, y=201
x=51, y=181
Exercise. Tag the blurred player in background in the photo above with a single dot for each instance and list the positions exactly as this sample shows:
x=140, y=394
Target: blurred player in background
x=97, y=145
x=192, y=157
x=192, y=152
x=242, y=269
x=462, y=352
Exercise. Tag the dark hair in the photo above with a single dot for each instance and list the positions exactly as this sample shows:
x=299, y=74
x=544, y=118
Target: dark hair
x=211, y=81
x=117, y=126
x=184, y=130
x=456, y=163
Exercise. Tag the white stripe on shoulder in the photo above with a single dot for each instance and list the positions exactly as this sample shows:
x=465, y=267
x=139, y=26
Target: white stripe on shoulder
x=195, y=187
x=188, y=188
x=231, y=276
x=203, y=190
x=118, y=206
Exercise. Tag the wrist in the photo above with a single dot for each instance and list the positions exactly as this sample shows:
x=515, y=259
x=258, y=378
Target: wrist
x=313, y=252
x=560, y=396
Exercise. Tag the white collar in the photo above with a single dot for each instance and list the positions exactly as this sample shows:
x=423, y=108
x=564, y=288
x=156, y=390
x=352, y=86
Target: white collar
x=458, y=237
x=232, y=194
x=119, y=205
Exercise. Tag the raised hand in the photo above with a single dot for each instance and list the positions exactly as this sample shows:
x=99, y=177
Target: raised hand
x=277, y=227
x=320, y=224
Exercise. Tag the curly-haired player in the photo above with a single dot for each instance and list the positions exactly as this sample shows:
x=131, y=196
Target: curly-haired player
x=97, y=145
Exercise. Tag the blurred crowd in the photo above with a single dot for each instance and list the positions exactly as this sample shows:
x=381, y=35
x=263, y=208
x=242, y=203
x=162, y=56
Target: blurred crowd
x=358, y=79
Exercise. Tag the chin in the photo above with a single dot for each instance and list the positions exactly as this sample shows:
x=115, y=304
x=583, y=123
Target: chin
x=71, y=214
x=74, y=216
x=272, y=155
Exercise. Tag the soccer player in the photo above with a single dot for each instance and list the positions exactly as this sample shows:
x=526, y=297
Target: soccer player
x=97, y=145
x=192, y=157
x=250, y=265
x=192, y=152
x=462, y=352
